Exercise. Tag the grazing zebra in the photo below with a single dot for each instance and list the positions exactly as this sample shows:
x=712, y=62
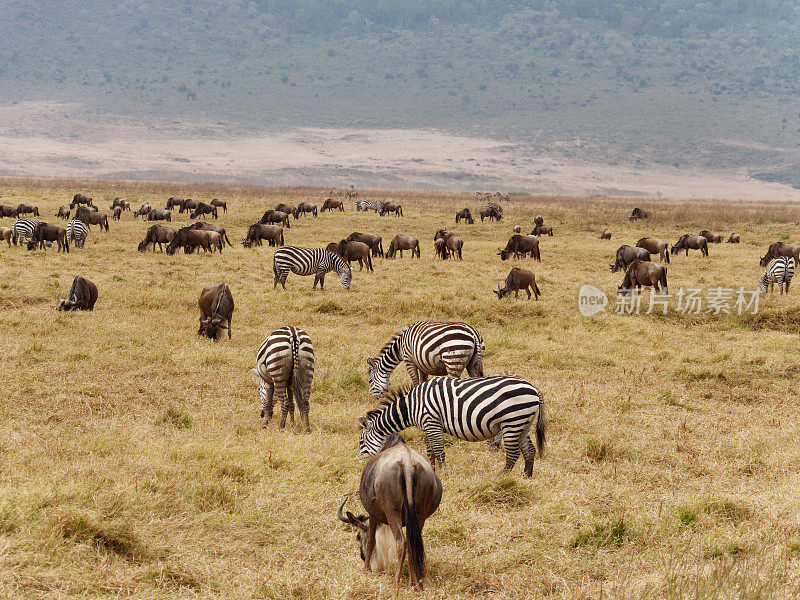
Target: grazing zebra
x=468, y=409
x=366, y=205
x=779, y=270
x=23, y=230
x=308, y=261
x=428, y=348
x=78, y=231
x=285, y=367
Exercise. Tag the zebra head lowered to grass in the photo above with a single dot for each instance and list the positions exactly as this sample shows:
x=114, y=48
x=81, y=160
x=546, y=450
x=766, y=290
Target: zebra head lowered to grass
x=309, y=261
x=468, y=409
x=428, y=348
x=779, y=270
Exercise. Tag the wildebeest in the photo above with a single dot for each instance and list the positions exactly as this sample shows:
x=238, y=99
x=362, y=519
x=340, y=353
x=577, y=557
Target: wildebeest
x=172, y=202
x=464, y=214
x=606, y=235
x=638, y=213
x=392, y=207
x=490, y=211
x=117, y=213
x=626, y=255
x=655, y=246
x=519, y=279
x=157, y=234
x=398, y=488
x=188, y=205
x=781, y=249
x=44, y=232
x=641, y=273
x=204, y=209
x=93, y=218
x=713, y=238
x=121, y=202
x=693, y=242
x=63, y=213
x=538, y=220
x=159, y=214
x=26, y=209
x=211, y=227
x=283, y=207
x=330, y=204
x=734, y=239
x=5, y=234
x=82, y=295
x=373, y=241
x=519, y=246
x=220, y=204
x=258, y=231
x=216, y=311
x=542, y=230
x=403, y=242
x=80, y=199
x=142, y=211
x=439, y=248
x=7, y=211
x=190, y=239
x=352, y=250
x=452, y=243
x=275, y=216
x=305, y=207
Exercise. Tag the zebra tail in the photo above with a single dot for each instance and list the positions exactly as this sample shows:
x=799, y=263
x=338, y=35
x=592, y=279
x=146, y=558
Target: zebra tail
x=297, y=374
x=416, y=550
x=541, y=426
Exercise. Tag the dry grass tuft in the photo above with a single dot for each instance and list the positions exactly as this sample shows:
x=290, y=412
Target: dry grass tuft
x=111, y=536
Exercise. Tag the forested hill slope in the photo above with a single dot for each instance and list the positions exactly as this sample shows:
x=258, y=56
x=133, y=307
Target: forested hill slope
x=709, y=83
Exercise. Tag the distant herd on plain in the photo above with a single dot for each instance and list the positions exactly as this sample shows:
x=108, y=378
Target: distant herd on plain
x=399, y=487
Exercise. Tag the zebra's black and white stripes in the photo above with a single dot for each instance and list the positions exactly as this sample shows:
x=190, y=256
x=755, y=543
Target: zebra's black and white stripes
x=285, y=367
x=779, y=270
x=77, y=231
x=468, y=409
x=365, y=205
x=428, y=348
x=22, y=230
x=309, y=261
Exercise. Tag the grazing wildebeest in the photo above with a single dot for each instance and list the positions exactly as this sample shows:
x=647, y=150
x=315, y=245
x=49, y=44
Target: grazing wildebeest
x=713, y=238
x=520, y=245
x=464, y=214
x=305, y=207
x=63, y=213
x=121, y=202
x=403, y=242
x=5, y=234
x=519, y=279
x=45, y=232
x=373, y=241
x=779, y=270
x=159, y=214
x=93, y=218
x=204, y=209
x=117, y=213
x=491, y=212
x=286, y=208
x=641, y=273
x=351, y=251
x=781, y=249
x=538, y=220
x=82, y=295
x=606, y=235
x=172, y=202
x=626, y=255
x=655, y=246
x=398, y=489
x=275, y=216
x=330, y=204
x=80, y=199
x=392, y=207
x=211, y=227
x=188, y=205
x=143, y=210
x=734, y=239
x=157, y=234
x=694, y=242
x=7, y=211
x=639, y=213
x=216, y=311
x=220, y=204
x=190, y=239
x=258, y=231
x=439, y=249
x=452, y=243
x=542, y=230
x=26, y=209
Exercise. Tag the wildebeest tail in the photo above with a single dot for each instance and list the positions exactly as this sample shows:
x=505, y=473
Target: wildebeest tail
x=380, y=247
x=664, y=280
x=536, y=289
x=416, y=550
x=541, y=426
x=14, y=236
x=666, y=253
x=369, y=260
x=281, y=236
x=225, y=234
x=66, y=242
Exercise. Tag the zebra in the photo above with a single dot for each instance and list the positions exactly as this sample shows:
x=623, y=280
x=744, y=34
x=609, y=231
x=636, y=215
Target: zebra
x=78, y=231
x=285, y=367
x=307, y=261
x=428, y=348
x=365, y=205
x=23, y=230
x=468, y=409
x=779, y=270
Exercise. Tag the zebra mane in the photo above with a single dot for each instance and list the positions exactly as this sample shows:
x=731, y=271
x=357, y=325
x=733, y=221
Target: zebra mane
x=388, y=345
x=388, y=398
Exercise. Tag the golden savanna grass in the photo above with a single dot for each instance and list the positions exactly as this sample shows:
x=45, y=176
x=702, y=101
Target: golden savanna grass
x=134, y=464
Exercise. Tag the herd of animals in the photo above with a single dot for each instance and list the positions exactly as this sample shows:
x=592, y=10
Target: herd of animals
x=399, y=487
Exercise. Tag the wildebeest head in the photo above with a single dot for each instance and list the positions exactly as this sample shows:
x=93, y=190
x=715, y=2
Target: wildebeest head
x=211, y=327
x=360, y=522
x=500, y=292
x=65, y=304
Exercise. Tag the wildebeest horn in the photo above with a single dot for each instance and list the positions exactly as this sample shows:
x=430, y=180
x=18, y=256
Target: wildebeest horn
x=339, y=514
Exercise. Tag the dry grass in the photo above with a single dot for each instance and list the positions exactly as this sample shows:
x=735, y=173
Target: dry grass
x=133, y=462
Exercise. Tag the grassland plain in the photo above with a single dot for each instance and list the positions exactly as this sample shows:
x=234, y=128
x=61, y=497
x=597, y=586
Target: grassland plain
x=133, y=462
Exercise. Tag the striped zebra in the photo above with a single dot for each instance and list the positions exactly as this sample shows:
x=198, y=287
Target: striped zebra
x=779, y=270
x=77, y=231
x=366, y=205
x=428, y=348
x=309, y=261
x=285, y=367
x=468, y=409
x=22, y=230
